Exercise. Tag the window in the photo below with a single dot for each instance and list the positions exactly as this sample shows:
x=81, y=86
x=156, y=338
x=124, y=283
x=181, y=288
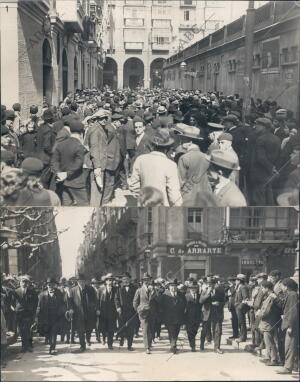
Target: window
x=186, y=15
x=161, y=23
x=149, y=219
x=188, y=2
x=294, y=53
x=195, y=219
x=134, y=22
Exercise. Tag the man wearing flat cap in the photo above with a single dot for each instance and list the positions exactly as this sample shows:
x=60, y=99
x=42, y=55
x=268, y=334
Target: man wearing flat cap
x=50, y=312
x=106, y=309
x=172, y=307
x=145, y=304
x=67, y=164
x=212, y=299
x=25, y=300
x=242, y=294
x=82, y=305
x=264, y=157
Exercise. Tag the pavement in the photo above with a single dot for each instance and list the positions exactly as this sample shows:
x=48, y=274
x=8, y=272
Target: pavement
x=122, y=198
x=100, y=364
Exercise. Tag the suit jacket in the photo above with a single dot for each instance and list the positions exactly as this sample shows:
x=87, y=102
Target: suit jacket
x=143, y=301
x=172, y=308
x=42, y=312
x=83, y=319
x=68, y=157
x=113, y=149
x=45, y=139
x=25, y=305
x=96, y=141
x=124, y=300
x=144, y=146
x=210, y=311
x=269, y=314
x=106, y=304
x=193, y=310
x=291, y=312
x=165, y=179
x=242, y=293
x=265, y=155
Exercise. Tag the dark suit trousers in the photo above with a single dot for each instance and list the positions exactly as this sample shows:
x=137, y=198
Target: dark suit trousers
x=147, y=326
x=216, y=327
x=291, y=350
x=52, y=333
x=74, y=196
x=192, y=332
x=242, y=324
x=234, y=323
x=108, y=330
x=280, y=338
x=24, y=324
x=262, y=195
x=109, y=186
x=127, y=331
x=173, y=330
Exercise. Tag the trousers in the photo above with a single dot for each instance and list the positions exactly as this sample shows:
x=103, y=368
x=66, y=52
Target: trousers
x=192, y=331
x=216, y=326
x=173, y=331
x=147, y=327
x=24, y=324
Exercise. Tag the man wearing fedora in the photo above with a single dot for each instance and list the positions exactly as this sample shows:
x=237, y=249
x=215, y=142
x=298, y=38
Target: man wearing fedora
x=127, y=315
x=83, y=303
x=192, y=313
x=25, y=300
x=166, y=175
x=212, y=299
x=242, y=295
x=95, y=160
x=172, y=307
x=145, y=304
x=231, y=307
x=107, y=309
x=50, y=313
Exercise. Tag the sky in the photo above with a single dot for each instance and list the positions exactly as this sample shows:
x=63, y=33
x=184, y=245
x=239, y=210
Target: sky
x=74, y=218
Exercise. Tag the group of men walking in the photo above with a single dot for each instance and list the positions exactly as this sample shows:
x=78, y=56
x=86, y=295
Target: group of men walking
x=115, y=308
x=165, y=147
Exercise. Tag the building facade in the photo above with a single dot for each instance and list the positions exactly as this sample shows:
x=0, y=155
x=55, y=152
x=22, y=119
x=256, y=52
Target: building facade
x=29, y=243
x=49, y=48
x=141, y=34
x=179, y=241
x=217, y=62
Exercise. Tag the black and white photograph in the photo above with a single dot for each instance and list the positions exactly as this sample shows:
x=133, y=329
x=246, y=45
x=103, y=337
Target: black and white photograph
x=154, y=294
x=149, y=190
x=150, y=102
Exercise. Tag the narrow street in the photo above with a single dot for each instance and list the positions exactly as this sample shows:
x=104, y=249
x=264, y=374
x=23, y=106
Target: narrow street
x=100, y=364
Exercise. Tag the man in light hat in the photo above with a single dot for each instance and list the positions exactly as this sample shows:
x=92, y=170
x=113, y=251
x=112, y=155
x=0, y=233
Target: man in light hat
x=166, y=175
x=95, y=160
x=50, y=312
x=145, y=304
x=107, y=309
x=212, y=298
x=192, y=313
x=225, y=144
x=25, y=300
x=172, y=306
x=214, y=131
x=222, y=163
x=242, y=295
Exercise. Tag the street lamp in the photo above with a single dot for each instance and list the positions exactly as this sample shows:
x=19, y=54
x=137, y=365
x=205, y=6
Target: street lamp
x=183, y=66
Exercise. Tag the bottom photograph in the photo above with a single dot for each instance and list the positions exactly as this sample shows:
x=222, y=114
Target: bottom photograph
x=149, y=294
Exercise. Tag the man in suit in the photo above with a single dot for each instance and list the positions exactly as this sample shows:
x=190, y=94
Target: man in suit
x=82, y=303
x=65, y=324
x=50, y=312
x=142, y=140
x=96, y=285
x=107, y=309
x=212, y=299
x=192, y=313
x=67, y=163
x=265, y=155
x=95, y=160
x=172, y=307
x=231, y=307
x=25, y=300
x=127, y=315
x=145, y=304
x=242, y=294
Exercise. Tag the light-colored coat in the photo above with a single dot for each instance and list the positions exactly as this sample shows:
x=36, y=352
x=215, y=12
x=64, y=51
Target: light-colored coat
x=158, y=171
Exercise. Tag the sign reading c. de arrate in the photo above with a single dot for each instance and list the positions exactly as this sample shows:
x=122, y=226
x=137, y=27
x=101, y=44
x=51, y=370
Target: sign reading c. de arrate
x=195, y=247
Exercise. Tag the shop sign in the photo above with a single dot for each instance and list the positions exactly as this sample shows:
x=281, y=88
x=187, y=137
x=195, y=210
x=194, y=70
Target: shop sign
x=195, y=247
x=289, y=251
x=252, y=262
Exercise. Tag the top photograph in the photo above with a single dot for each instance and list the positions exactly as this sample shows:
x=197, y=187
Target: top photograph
x=136, y=103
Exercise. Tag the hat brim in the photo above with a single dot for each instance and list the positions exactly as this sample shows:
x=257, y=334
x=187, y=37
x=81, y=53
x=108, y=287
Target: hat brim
x=170, y=142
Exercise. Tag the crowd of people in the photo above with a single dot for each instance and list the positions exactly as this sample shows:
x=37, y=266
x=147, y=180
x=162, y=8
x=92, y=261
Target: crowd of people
x=114, y=307
x=167, y=147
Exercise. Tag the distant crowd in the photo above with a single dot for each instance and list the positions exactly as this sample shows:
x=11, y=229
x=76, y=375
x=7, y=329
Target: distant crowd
x=163, y=147
x=114, y=308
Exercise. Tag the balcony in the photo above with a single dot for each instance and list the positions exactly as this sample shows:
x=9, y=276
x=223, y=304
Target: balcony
x=162, y=47
x=71, y=13
x=133, y=45
x=239, y=235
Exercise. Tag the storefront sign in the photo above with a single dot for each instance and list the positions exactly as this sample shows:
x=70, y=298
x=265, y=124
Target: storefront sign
x=289, y=251
x=195, y=247
x=252, y=262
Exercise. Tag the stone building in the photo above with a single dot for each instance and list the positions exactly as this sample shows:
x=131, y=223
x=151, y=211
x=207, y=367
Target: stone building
x=29, y=243
x=49, y=48
x=175, y=242
x=217, y=62
x=141, y=34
